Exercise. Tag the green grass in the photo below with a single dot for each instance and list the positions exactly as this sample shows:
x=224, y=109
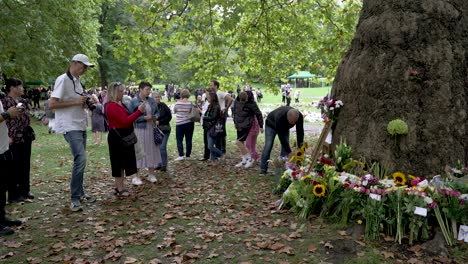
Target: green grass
x=219, y=215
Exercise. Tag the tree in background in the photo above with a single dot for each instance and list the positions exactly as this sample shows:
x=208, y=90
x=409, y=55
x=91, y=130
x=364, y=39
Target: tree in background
x=408, y=61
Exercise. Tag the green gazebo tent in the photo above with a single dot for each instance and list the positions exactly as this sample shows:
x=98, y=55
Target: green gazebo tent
x=302, y=75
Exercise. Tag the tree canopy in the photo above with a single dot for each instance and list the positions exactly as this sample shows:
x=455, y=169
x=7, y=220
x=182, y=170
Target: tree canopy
x=132, y=40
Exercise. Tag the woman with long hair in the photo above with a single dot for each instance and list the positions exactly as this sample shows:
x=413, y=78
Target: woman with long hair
x=122, y=158
x=163, y=122
x=212, y=114
x=21, y=138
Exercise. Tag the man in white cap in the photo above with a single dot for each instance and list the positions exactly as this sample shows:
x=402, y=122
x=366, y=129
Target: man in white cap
x=69, y=102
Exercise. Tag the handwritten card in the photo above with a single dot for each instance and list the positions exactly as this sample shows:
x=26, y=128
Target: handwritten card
x=376, y=197
x=463, y=233
x=420, y=211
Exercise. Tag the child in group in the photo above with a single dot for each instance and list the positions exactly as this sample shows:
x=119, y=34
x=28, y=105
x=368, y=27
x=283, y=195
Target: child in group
x=244, y=113
x=251, y=142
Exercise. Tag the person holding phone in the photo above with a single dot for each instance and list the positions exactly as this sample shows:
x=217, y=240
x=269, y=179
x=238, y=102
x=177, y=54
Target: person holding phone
x=144, y=132
x=21, y=137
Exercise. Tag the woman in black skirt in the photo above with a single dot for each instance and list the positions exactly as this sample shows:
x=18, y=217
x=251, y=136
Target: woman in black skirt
x=122, y=158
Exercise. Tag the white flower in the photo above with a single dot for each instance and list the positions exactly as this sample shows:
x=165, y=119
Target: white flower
x=364, y=183
x=428, y=200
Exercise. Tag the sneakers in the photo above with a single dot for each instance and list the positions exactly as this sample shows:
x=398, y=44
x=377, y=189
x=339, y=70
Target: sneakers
x=249, y=163
x=10, y=222
x=179, y=158
x=152, y=178
x=240, y=164
x=136, y=181
x=88, y=199
x=75, y=206
x=5, y=230
x=188, y=158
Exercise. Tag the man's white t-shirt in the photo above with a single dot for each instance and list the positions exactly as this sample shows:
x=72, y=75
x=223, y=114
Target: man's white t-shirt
x=69, y=118
x=4, y=139
x=221, y=98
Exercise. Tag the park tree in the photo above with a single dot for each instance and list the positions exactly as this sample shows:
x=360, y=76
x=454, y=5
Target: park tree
x=408, y=60
x=265, y=39
x=38, y=38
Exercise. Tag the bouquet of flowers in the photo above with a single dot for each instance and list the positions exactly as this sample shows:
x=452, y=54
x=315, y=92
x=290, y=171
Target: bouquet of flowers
x=330, y=108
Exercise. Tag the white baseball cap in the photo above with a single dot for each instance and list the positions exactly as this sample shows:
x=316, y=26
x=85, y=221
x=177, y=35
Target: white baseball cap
x=83, y=59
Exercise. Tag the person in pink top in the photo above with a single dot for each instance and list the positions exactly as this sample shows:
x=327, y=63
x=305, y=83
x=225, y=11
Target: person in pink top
x=122, y=158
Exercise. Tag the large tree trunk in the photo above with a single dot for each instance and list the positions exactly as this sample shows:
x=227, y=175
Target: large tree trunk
x=394, y=37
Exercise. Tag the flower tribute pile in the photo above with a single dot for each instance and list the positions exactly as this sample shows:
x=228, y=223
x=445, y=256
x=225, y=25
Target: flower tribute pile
x=348, y=191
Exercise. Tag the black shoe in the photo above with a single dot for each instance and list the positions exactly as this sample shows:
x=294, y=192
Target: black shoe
x=158, y=168
x=16, y=200
x=163, y=169
x=4, y=231
x=28, y=196
x=10, y=222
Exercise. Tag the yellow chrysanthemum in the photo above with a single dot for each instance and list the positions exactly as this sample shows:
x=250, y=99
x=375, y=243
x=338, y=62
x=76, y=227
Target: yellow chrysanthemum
x=399, y=178
x=319, y=190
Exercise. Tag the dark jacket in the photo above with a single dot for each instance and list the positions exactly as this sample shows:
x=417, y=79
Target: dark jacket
x=244, y=113
x=165, y=117
x=278, y=120
x=212, y=114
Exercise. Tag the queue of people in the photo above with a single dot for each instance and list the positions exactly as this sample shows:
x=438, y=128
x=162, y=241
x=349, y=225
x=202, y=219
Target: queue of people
x=131, y=123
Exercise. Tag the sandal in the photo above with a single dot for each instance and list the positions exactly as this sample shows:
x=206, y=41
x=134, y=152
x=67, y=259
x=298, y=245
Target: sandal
x=122, y=193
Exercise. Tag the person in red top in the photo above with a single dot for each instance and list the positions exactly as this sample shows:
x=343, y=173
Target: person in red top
x=122, y=158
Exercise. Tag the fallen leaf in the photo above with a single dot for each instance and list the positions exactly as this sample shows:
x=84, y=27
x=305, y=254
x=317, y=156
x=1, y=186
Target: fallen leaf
x=130, y=260
x=312, y=248
x=414, y=261
x=155, y=261
x=342, y=232
x=328, y=245
x=287, y=249
x=388, y=254
x=360, y=243
x=12, y=244
x=277, y=246
x=360, y=254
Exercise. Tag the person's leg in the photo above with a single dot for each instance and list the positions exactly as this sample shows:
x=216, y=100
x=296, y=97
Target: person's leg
x=188, y=138
x=215, y=152
x=179, y=138
x=206, y=151
x=12, y=179
x=163, y=150
x=25, y=167
x=285, y=139
x=270, y=134
x=77, y=141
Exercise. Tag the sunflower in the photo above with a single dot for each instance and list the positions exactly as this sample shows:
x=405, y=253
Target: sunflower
x=399, y=178
x=319, y=190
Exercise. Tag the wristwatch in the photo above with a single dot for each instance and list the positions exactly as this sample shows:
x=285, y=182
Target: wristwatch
x=5, y=115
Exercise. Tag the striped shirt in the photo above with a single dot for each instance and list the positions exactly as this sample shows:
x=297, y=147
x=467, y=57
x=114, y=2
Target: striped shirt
x=182, y=109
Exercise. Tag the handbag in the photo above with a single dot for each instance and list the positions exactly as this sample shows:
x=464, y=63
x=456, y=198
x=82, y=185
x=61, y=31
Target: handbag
x=194, y=114
x=158, y=135
x=29, y=134
x=129, y=140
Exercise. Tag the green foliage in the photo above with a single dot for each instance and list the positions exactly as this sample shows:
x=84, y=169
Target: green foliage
x=38, y=38
x=397, y=127
x=342, y=155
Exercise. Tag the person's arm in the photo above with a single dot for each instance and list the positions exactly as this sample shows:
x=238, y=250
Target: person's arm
x=258, y=115
x=300, y=130
x=57, y=103
x=118, y=116
x=11, y=112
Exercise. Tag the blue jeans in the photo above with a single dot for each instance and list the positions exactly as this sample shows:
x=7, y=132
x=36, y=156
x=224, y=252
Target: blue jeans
x=77, y=141
x=184, y=130
x=163, y=149
x=214, y=152
x=270, y=134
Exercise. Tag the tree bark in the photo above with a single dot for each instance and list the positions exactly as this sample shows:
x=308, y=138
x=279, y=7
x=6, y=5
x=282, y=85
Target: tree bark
x=408, y=60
